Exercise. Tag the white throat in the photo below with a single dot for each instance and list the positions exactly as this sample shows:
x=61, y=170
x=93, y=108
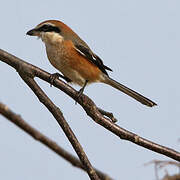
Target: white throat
x=51, y=38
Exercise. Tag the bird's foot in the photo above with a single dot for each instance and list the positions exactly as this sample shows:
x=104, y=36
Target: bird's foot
x=57, y=76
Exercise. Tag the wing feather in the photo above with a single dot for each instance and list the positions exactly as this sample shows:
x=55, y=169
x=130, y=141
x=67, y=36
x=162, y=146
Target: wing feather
x=93, y=58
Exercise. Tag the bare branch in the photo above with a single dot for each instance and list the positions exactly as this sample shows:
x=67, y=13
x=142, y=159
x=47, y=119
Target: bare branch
x=88, y=105
x=43, y=98
x=17, y=120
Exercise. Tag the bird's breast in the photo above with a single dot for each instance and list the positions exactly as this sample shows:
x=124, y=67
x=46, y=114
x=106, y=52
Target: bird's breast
x=55, y=56
x=71, y=64
x=60, y=59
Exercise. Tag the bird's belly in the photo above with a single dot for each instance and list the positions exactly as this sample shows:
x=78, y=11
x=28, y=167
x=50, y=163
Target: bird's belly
x=74, y=76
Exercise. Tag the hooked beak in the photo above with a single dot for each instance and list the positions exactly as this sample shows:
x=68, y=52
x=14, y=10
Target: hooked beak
x=33, y=32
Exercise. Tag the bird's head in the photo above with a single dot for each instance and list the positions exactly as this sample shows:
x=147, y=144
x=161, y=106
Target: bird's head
x=52, y=31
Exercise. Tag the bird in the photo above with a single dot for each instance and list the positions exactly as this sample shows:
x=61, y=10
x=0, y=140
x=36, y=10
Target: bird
x=70, y=55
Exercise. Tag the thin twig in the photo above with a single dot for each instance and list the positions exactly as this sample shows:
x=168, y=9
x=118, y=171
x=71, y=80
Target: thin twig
x=17, y=120
x=108, y=114
x=89, y=106
x=161, y=164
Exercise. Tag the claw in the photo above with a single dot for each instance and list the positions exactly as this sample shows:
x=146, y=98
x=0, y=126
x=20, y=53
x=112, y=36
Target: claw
x=57, y=76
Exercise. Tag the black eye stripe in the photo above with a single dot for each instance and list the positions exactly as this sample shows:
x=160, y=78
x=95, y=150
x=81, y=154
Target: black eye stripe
x=48, y=28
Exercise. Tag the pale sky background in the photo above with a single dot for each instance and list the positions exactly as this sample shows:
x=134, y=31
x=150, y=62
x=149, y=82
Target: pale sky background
x=139, y=40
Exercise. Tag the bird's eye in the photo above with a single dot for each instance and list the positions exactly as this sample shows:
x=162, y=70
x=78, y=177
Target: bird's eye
x=49, y=28
x=44, y=28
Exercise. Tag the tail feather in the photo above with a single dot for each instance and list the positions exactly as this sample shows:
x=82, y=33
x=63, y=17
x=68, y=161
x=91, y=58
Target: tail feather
x=129, y=92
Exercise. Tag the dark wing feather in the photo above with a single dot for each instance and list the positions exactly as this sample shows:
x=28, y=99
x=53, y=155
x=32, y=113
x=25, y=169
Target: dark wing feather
x=93, y=58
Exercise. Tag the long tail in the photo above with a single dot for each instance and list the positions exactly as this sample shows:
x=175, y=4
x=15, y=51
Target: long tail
x=129, y=92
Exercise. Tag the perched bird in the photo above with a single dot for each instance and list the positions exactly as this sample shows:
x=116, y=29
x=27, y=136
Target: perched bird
x=68, y=53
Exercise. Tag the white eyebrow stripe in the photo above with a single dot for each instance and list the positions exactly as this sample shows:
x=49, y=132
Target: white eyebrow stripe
x=48, y=23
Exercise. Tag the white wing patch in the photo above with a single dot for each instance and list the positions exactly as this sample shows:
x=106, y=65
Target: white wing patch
x=84, y=54
x=80, y=52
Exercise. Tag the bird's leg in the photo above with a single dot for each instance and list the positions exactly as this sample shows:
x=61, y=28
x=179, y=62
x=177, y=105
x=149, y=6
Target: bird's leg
x=56, y=76
x=80, y=92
